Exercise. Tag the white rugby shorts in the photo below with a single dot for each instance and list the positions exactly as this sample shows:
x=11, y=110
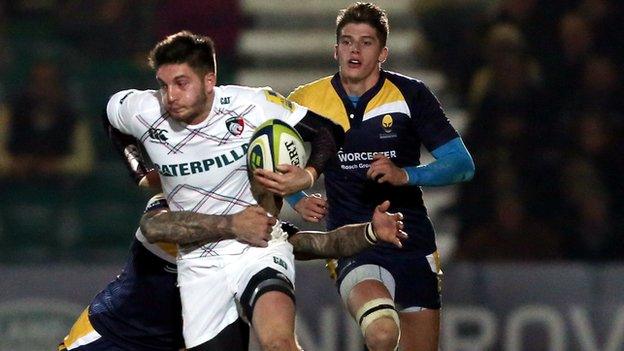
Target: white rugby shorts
x=210, y=287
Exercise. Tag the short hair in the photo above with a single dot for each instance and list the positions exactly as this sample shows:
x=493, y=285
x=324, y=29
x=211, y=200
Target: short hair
x=364, y=12
x=197, y=51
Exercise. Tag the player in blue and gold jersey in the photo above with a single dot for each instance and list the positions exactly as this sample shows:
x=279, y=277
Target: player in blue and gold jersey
x=140, y=308
x=387, y=117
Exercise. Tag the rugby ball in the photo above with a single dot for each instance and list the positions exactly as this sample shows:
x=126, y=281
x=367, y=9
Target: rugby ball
x=275, y=142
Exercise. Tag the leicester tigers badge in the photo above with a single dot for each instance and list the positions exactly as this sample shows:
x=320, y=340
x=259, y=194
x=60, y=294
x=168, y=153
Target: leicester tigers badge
x=235, y=125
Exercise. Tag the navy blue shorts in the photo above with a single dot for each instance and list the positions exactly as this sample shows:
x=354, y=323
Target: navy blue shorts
x=413, y=281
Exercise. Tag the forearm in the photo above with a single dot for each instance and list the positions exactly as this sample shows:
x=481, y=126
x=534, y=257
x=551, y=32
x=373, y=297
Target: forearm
x=129, y=150
x=341, y=242
x=184, y=227
x=325, y=139
x=453, y=164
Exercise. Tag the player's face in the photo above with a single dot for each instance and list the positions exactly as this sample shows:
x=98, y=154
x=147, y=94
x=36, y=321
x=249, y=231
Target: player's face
x=186, y=95
x=359, y=53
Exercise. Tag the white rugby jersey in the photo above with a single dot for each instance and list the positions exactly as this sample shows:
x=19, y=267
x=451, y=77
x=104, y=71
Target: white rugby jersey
x=202, y=167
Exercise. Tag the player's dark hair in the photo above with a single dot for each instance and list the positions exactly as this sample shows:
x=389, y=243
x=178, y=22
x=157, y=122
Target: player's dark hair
x=364, y=12
x=197, y=51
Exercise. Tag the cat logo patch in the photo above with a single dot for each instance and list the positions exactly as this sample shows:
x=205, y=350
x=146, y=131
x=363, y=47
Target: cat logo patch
x=281, y=262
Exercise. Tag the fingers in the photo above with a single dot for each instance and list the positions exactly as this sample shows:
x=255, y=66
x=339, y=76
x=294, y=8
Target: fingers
x=256, y=226
x=397, y=242
x=312, y=208
x=384, y=206
x=312, y=218
x=286, y=168
x=377, y=173
x=265, y=182
x=272, y=221
x=288, y=180
x=402, y=235
x=377, y=157
x=271, y=181
x=399, y=216
x=258, y=243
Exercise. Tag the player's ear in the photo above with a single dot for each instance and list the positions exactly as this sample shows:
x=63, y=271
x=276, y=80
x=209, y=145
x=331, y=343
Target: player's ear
x=336, y=52
x=210, y=79
x=383, y=55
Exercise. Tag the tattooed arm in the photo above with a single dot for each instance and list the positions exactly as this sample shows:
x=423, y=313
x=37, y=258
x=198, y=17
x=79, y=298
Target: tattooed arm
x=252, y=226
x=350, y=239
x=344, y=241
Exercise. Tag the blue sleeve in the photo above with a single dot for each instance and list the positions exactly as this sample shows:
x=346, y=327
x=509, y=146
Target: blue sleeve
x=453, y=164
x=292, y=199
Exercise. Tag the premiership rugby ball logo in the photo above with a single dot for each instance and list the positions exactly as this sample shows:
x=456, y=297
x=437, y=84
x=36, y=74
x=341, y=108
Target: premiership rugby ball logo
x=273, y=143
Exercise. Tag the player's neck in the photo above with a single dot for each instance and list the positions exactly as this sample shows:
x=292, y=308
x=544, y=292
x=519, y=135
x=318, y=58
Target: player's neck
x=205, y=111
x=358, y=87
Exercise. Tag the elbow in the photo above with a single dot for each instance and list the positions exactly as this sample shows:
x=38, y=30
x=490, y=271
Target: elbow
x=469, y=170
x=148, y=230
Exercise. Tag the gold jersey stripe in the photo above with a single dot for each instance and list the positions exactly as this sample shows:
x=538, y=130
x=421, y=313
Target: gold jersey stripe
x=321, y=97
x=81, y=328
x=387, y=94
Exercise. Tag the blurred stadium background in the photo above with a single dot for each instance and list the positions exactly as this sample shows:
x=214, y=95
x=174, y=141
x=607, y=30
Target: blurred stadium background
x=532, y=247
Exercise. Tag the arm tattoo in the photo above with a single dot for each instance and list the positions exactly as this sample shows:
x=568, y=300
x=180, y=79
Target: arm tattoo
x=184, y=227
x=341, y=242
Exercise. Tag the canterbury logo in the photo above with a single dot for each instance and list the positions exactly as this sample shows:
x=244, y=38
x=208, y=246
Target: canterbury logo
x=157, y=134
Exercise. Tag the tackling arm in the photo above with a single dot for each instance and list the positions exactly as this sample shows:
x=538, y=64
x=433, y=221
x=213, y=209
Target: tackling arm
x=325, y=138
x=252, y=225
x=344, y=241
x=350, y=239
x=129, y=150
x=184, y=227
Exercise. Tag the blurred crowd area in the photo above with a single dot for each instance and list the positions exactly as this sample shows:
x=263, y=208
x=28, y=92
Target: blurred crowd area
x=540, y=80
x=65, y=192
x=542, y=84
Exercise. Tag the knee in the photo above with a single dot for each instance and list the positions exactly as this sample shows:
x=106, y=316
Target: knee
x=277, y=343
x=382, y=334
x=379, y=322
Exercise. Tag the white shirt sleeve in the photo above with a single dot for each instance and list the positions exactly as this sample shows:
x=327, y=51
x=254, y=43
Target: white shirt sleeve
x=124, y=107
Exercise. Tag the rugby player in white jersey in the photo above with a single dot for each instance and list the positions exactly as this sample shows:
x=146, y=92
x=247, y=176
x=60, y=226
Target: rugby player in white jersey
x=140, y=309
x=197, y=134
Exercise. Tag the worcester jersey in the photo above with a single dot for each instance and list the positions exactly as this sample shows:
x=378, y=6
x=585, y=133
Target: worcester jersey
x=203, y=167
x=395, y=117
x=140, y=309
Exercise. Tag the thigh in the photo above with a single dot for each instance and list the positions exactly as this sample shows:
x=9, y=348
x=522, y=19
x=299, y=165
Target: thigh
x=418, y=282
x=265, y=269
x=208, y=306
x=418, y=285
x=274, y=316
x=235, y=337
x=420, y=330
x=276, y=257
x=363, y=284
x=266, y=290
